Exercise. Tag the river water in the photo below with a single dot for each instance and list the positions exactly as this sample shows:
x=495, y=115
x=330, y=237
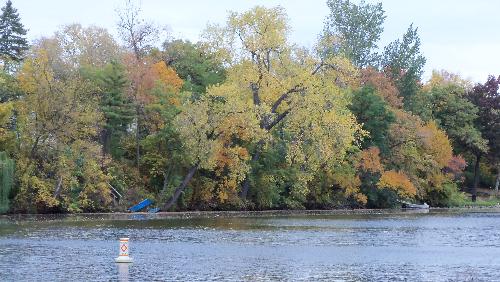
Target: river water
x=460, y=245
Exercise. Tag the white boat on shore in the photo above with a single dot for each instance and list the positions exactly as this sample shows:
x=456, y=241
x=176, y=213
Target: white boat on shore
x=407, y=205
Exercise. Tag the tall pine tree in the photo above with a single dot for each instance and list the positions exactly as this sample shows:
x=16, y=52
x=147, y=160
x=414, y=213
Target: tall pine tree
x=118, y=111
x=13, y=41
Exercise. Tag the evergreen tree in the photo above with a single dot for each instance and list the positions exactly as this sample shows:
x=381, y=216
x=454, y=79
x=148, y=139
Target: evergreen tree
x=6, y=180
x=118, y=111
x=13, y=41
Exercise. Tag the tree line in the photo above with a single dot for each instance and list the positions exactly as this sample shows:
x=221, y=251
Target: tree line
x=242, y=119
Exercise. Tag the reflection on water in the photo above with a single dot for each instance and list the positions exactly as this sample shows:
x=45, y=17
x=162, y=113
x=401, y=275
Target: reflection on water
x=324, y=246
x=123, y=271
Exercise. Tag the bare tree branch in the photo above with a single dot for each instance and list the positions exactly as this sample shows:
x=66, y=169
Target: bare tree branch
x=137, y=33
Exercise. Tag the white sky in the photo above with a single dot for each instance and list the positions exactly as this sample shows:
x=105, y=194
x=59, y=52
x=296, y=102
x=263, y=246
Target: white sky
x=461, y=36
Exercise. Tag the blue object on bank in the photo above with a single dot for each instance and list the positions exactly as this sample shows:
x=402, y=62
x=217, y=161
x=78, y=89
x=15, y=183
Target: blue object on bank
x=140, y=205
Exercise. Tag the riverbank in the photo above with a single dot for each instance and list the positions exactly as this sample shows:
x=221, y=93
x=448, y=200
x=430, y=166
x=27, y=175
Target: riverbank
x=243, y=214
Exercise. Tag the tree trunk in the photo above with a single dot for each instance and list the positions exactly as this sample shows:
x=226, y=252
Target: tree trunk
x=180, y=188
x=497, y=182
x=245, y=186
x=476, y=178
x=57, y=191
x=105, y=149
x=166, y=179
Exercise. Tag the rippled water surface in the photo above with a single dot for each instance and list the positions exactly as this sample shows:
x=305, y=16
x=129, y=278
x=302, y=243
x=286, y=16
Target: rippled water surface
x=324, y=246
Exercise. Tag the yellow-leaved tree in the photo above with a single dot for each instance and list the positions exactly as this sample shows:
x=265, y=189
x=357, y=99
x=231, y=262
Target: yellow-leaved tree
x=289, y=93
x=421, y=151
x=398, y=182
x=6, y=136
x=58, y=122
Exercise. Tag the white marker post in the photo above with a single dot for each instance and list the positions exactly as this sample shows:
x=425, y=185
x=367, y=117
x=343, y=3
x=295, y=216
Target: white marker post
x=123, y=257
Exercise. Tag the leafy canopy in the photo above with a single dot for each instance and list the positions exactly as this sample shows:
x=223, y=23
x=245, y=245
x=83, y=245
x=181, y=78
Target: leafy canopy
x=358, y=28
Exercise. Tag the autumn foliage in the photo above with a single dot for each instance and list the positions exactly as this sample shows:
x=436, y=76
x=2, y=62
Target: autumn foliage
x=242, y=119
x=397, y=181
x=370, y=160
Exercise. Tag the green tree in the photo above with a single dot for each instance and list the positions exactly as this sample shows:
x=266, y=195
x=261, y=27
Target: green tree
x=373, y=113
x=117, y=109
x=13, y=41
x=195, y=65
x=446, y=103
x=404, y=63
x=358, y=27
x=6, y=181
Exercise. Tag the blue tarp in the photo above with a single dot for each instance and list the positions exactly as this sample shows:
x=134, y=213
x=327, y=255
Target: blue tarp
x=140, y=205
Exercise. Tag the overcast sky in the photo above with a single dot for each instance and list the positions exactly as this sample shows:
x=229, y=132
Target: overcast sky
x=457, y=35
